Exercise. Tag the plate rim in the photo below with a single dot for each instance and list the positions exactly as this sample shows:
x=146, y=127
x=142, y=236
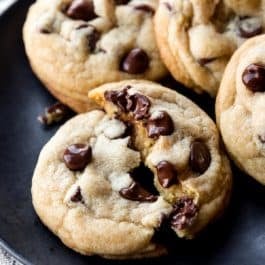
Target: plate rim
x=14, y=254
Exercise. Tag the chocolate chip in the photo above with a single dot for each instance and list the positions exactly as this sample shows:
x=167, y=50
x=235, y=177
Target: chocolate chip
x=135, y=62
x=119, y=98
x=77, y=156
x=111, y=96
x=139, y=105
x=254, y=77
x=136, y=193
x=200, y=157
x=81, y=9
x=166, y=173
x=204, y=61
x=161, y=124
x=168, y=6
x=82, y=26
x=45, y=31
x=55, y=114
x=249, y=27
x=183, y=214
x=262, y=138
x=121, y=2
x=145, y=8
x=77, y=197
x=102, y=50
x=93, y=37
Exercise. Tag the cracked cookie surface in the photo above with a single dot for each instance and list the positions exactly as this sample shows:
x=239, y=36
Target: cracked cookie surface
x=197, y=38
x=77, y=195
x=240, y=107
x=74, y=46
x=108, y=180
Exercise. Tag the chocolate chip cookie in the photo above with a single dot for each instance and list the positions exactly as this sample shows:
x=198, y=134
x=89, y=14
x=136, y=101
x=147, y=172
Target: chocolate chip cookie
x=109, y=180
x=76, y=45
x=197, y=38
x=240, y=107
x=181, y=146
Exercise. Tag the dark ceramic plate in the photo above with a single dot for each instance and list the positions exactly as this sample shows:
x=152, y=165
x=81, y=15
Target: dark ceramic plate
x=238, y=238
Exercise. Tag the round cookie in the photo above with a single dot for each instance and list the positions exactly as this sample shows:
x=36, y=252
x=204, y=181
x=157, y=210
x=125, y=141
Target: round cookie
x=76, y=45
x=91, y=185
x=240, y=107
x=197, y=38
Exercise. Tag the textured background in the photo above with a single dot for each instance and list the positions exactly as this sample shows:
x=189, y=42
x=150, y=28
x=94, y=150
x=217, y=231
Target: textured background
x=5, y=258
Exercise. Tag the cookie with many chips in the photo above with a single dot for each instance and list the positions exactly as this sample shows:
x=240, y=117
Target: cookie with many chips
x=196, y=38
x=76, y=45
x=109, y=181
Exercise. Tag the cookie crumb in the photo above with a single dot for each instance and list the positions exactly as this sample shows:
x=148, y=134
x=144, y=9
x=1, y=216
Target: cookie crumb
x=54, y=114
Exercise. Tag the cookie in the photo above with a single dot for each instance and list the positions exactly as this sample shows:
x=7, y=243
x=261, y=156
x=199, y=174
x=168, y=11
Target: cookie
x=197, y=38
x=240, y=108
x=179, y=143
x=74, y=46
x=108, y=182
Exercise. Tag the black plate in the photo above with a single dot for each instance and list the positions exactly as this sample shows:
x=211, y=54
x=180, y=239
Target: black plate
x=238, y=238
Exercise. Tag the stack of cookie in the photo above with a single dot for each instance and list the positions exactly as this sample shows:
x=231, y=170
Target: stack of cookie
x=142, y=157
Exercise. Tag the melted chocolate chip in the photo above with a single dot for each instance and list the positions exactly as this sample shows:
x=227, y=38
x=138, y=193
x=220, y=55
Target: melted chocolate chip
x=204, y=61
x=93, y=37
x=145, y=8
x=162, y=124
x=248, y=27
x=254, y=77
x=55, y=114
x=135, y=62
x=136, y=193
x=81, y=9
x=121, y=2
x=119, y=98
x=200, y=157
x=131, y=103
x=77, y=156
x=183, y=214
x=166, y=173
x=111, y=96
x=77, y=197
x=139, y=105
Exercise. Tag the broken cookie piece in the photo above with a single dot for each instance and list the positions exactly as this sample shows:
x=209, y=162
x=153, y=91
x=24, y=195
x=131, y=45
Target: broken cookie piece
x=54, y=114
